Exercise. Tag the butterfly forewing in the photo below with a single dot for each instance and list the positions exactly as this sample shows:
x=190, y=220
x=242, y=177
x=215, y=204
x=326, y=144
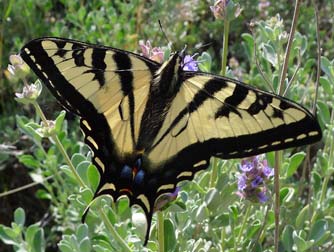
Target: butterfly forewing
x=92, y=80
x=227, y=119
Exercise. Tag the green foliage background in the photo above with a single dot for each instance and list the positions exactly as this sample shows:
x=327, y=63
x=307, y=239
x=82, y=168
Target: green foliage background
x=206, y=216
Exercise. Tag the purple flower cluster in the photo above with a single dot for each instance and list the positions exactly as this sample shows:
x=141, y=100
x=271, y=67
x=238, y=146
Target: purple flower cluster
x=190, y=64
x=252, y=180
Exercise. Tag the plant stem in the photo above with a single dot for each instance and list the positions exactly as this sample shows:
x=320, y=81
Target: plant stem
x=21, y=188
x=264, y=223
x=288, y=47
x=222, y=237
x=222, y=72
x=318, y=56
x=214, y=172
x=116, y=236
x=161, y=231
x=40, y=113
x=225, y=46
x=277, y=197
x=279, y=153
x=59, y=145
x=68, y=161
x=245, y=219
x=328, y=175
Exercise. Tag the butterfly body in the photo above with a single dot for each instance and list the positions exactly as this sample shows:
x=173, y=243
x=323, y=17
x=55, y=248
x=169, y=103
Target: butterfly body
x=153, y=125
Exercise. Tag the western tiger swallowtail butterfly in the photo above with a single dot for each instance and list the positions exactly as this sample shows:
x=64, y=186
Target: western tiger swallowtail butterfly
x=152, y=125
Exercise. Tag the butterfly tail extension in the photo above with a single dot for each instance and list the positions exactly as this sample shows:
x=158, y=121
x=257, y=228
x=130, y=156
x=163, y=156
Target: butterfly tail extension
x=149, y=216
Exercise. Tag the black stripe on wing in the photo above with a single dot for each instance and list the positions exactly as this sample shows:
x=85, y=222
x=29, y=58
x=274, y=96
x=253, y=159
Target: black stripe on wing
x=126, y=77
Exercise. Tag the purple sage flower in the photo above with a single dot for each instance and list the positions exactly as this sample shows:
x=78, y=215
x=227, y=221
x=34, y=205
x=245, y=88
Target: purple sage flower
x=252, y=182
x=262, y=196
x=242, y=182
x=189, y=63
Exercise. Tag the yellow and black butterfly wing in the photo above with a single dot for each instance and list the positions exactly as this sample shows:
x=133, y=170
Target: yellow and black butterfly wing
x=108, y=89
x=216, y=116
x=105, y=86
x=230, y=119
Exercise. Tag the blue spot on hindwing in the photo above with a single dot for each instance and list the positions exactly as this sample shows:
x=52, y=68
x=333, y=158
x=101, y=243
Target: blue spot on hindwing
x=126, y=172
x=139, y=178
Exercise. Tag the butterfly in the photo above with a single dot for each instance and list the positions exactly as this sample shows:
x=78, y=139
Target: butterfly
x=152, y=125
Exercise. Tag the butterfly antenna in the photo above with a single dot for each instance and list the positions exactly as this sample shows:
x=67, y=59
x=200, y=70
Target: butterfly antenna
x=165, y=36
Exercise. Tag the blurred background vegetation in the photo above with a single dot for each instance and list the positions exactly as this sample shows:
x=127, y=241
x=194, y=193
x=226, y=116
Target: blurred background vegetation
x=122, y=24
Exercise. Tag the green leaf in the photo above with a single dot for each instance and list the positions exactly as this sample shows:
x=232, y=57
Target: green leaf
x=177, y=206
x=301, y=244
x=82, y=170
x=287, y=239
x=30, y=233
x=29, y=128
x=69, y=173
x=139, y=221
x=324, y=111
x=19, y=216
x=59, y=121
x=302, y=217
x=253, y=229
x=29, y=161
x=43, y=194
x=64, y=247
x=248, y=44
x=300, y=44
x=325, y=84
x=328, y=68
x=81, y=14
x=170, y=238
x=330, y=221
x=317, y=181
x=82, y=232
x=201, y=213
x=123, y=206
x=319, y=230
x=212, y=199
x=295, y=160
x=8, y=236
x=286, y=193
x=86, y=195
x=101, y=245
x=270, y=54
x=85, y=245
x=93, y=177
x=77, y=158
x=234, y=212
x=205, y=62
x=38, y=241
